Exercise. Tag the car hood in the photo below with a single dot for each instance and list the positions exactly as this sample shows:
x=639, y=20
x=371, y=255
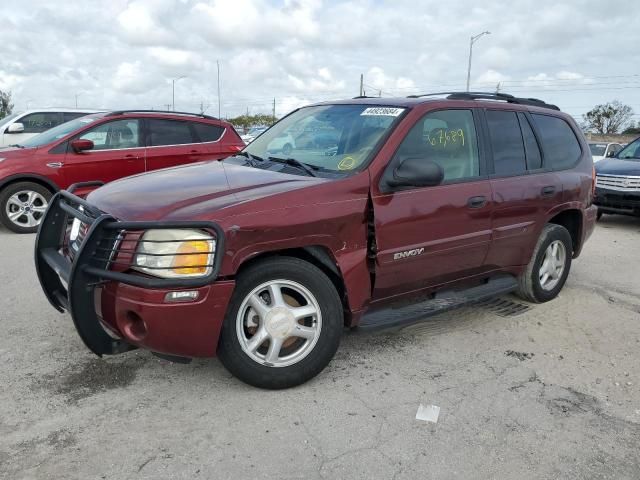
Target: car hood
x=616, y=166
x=193, y=192
x=16, y=152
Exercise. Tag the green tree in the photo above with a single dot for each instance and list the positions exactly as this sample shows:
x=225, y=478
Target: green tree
x=6, y=107
x=248, y=121
x=608, y=118
x=631, y=130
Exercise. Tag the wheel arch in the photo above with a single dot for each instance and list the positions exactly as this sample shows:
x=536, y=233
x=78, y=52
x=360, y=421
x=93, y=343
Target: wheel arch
x=572, y=220
x=29, y=177
x=318, y=255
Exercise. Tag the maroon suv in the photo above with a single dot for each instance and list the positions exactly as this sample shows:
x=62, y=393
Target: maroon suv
x=104, y=147
x=419, y=205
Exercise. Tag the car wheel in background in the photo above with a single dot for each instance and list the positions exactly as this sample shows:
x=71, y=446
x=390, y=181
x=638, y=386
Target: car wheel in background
x=22, y=206
x=283, y=324
x=549, y=267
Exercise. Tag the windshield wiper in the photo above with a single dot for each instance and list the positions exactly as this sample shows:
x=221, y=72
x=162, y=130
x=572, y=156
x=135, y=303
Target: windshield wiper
x=309, y=169
x=251, y=158
x=16, y=145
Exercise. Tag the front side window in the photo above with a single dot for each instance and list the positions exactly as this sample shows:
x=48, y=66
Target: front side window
x=40, y=122
x=559, y=143
x=506, y=143
x=169, y=132
x=114, y=135
x=331, y=139
x=448, y=138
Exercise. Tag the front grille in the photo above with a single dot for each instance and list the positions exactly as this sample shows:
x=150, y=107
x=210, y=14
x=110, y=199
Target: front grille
x=618, y=182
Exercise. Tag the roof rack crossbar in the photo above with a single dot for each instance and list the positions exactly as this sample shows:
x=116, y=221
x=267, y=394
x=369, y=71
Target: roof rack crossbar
x=534, y=102
x=200, y=115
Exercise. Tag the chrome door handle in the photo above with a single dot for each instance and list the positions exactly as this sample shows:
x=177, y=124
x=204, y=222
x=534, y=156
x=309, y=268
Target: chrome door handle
x=55, y=164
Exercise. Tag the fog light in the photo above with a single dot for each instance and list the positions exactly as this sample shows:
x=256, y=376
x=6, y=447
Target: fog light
x=182, y=296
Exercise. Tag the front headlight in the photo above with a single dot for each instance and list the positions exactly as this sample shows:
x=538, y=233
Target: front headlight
x=175, y=253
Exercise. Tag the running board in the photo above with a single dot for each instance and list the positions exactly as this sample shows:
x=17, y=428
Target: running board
x=442, y=302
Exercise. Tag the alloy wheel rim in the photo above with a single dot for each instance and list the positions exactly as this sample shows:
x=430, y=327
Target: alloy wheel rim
x=278, y=323
x=552, y=266
x=26, y=208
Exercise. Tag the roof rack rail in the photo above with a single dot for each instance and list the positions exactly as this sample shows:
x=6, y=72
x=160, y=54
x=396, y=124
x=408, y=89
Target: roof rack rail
x=534, y=102
x=363, y=96
x=201, y=115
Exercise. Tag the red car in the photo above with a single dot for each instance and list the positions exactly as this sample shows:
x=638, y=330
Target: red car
x=420, y=205
x=103, y=147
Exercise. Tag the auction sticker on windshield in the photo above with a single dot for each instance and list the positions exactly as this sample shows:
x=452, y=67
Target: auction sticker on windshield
x=382, y=111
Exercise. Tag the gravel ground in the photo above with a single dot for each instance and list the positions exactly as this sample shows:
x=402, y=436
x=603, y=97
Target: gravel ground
x=553, y=392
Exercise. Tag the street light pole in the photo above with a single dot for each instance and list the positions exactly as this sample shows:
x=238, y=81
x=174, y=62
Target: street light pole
x=173, y=92
x=219, y=101
x=472, y=41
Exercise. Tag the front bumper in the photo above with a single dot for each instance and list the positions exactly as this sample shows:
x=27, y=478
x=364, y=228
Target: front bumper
x=115, y=309
x=616, y=201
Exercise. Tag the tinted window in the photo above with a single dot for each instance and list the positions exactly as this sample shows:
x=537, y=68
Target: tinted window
x=114, y=135
x=169, y=132
x=506, y=143
x=68, y=116
x=532, y=150
x=631, y=151
x=560, y=145
x=39, y=122
x=207, y=132
x=446, y=137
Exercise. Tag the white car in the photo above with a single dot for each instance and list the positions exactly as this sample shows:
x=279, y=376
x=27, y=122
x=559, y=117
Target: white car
x=283, y=143
x=251, y=135
x=18, y=127
x=603, y=150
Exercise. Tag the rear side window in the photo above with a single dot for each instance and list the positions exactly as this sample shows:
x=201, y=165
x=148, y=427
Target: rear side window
x=559, y=143
x=40, y=122
x=68, y=116
x=207, y=132
x=532, y=150
x=506, y=143
x=169, y=132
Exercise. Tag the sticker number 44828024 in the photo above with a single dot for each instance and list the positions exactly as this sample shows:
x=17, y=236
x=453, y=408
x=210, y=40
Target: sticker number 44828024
x=382, y=111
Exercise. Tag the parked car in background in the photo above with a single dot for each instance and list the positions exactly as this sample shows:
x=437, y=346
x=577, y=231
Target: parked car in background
x=283, y=143
x=103, y=147
x=252, y=134
x=618, y=182
x=604, y=150
x=425, y=204
x=20, y=126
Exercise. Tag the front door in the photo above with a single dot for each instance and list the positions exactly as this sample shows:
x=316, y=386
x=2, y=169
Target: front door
x=118, y=152
x=429, y=236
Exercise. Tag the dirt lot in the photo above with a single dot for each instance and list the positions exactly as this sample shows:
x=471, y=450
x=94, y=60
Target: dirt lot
x=553, y=392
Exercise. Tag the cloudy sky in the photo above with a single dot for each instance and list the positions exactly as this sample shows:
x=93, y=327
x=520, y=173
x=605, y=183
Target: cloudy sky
x=123, y=54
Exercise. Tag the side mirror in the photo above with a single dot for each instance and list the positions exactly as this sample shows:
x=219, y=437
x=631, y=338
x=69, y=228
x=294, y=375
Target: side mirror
x=416, y=172
x=81, y=144
x=611, y=153
x=16, y=127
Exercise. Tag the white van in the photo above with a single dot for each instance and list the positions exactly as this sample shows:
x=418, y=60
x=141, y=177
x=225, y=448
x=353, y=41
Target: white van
x=18, y=127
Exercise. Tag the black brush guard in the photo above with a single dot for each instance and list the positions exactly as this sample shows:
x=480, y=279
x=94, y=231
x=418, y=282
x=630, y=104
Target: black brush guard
x=69, y=284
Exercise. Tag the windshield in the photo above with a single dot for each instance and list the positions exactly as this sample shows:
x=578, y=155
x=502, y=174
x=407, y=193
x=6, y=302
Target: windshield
x=328, y=138
x=598, y=149
x=631, y=151
x=56, y=133
x=8, y=119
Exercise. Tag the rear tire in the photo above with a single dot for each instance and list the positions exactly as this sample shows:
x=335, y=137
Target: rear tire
x=263, y=315
x=22, y=206
x=547, y=271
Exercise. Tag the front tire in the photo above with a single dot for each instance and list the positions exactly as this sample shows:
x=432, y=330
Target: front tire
x=283, y=325
x=549, y=266
x=22, y=206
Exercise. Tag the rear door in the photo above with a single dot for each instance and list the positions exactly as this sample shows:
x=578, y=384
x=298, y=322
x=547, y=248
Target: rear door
x=171, y=142
x=118, y=152
x=524, y=189
x=433, y=235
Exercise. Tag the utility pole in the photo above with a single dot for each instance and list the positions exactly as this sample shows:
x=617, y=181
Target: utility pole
x=471, y=42
x=168, y=106
x=274, y=110
x=173, y=92
x=201, y=107
x=498, y=87
x=219, y=101
x=361, y=85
